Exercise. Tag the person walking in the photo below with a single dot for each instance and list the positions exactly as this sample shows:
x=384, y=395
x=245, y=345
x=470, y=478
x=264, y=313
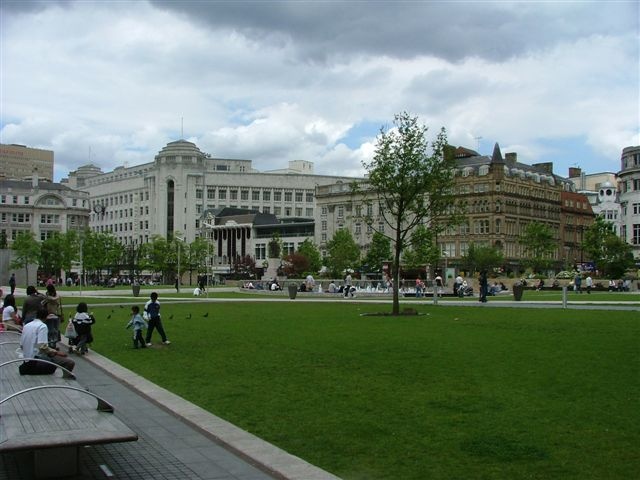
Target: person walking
x=12, y=284
x=589, y=283
x=484, y=286
x=577, y=283
x=53, y=303
x=347, y=285
x=138, y=324
x=152, y=311
x=82, y=322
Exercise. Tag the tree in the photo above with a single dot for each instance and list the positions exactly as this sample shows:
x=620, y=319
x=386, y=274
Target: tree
x=27, y=252
x=295, y=265
x=100, y=251
x=539, y=245
x=482, y=257
x=379, y=251
x=243, y=267
x=196, y=257
x=611, y=255
x=160, y=256
x=309, y=250
x=410, y=185
x=343, y=253
x=423, y=250
x=275, y=246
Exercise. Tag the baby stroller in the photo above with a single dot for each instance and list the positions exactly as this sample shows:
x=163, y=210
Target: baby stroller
x=465, y=291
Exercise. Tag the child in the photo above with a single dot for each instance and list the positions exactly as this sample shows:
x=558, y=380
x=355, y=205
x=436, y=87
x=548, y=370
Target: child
x=152, y=314
x=82, y=322
x=138, y=324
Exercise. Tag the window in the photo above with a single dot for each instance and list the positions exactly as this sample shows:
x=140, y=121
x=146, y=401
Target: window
x=15, y=199
x=369, y=210
x=309, y=197
x=340, y=211
x=211, y=193
x=26, y=201
x=266, y=196
x=277, y=211
x=288, y=248
x=481, y=227
x=636, y=208
x=309, y=212
x=233, y=194
x=298, y=196
x=3, y=199
x=323, y=237
x=381, y=227
x=266, y=209
x=199, y=193
x=244, y=195
x=21, y=218
x=324, y=210
x=636, y=234
x=222, y=194
x=323, y=225
x=358, y=229
x=298, y=211
x=288, y=196
x=287, y=211
x=255, y=195
x=277, y=196
x=261, y=251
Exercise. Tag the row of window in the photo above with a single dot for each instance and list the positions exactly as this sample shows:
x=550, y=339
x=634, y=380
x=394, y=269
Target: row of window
x=232, y=194
x=123, y=199
x=51, y=201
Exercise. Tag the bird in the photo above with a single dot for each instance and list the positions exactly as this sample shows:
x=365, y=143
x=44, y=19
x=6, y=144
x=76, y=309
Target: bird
x=112, y=310
x=121, y=306
x=108, y=317
x=170, y=316
x=206, y=315
x=188, y=316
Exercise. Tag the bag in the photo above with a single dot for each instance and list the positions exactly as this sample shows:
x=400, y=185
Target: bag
x=70, y=331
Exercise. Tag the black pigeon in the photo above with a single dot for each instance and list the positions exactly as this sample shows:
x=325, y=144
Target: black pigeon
x=170, y=316
x=112, y=310
x=121, y=306
x=206, y=315
x=108, y=317
x=188, y=316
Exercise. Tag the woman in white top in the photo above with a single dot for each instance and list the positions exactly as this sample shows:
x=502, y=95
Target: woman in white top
x=10, y=317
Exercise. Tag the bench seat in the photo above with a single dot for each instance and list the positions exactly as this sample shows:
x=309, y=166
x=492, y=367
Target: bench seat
x=50, y=418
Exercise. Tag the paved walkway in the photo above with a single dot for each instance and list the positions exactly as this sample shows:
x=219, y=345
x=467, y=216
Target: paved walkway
x=177, y=440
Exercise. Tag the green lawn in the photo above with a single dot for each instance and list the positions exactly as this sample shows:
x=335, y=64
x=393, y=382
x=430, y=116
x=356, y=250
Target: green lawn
x=456, y=393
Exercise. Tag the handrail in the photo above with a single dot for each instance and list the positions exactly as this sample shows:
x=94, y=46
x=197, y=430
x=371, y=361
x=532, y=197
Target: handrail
x=103, y=405
x=15, y=360
x=11, y=342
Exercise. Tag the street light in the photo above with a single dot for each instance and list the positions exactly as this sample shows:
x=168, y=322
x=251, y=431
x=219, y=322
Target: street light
x=179, y=239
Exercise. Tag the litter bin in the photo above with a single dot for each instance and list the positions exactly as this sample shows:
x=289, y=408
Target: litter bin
x=517, y=292
x=136, y=290
x=293, y=290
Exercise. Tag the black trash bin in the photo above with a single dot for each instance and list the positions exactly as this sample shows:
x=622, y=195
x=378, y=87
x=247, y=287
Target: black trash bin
x=517, y=292
x=293, y=291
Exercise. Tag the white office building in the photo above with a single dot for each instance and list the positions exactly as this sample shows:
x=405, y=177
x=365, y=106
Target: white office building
x=629, y=184
x=170, y=195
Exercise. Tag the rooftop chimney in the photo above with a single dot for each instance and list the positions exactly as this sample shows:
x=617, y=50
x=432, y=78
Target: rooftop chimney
x=575, y=172
x=546, y=167
x=511, y=158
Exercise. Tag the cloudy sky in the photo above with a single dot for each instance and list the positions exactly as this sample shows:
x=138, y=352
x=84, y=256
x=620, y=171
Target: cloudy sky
x=112, y=82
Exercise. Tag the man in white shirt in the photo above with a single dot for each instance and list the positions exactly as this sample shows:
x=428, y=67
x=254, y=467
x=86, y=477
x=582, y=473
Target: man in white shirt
x=35, y=344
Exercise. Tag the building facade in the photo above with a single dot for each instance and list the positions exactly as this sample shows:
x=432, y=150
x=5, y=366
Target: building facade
x=500, y=196
x=602, y=191
x=629, y=186
x=41, y=207
x=173, y=194
x=18, y=162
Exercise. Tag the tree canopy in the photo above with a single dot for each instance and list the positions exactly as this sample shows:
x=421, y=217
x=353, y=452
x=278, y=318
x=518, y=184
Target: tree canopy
x=539, y=244
x=411, y=185
x=27, y=252
x=342, y=253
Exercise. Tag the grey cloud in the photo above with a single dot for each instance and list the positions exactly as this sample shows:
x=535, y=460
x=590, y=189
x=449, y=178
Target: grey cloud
x=405, y=29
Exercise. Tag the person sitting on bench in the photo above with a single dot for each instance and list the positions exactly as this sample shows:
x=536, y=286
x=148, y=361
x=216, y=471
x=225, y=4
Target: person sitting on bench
x=35, y=345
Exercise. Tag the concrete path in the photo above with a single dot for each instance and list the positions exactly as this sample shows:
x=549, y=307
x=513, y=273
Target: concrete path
x=177, y=439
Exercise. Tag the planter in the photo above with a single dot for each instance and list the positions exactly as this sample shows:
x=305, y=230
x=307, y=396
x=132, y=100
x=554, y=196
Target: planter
x=293, y=291
x=517, y=292
x=136, y=290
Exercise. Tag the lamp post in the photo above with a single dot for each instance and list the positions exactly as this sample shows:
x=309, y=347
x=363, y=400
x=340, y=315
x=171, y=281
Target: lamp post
x=179, y=240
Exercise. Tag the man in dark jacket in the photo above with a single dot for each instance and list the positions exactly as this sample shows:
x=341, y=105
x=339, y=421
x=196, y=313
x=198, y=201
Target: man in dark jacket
x=31, y=304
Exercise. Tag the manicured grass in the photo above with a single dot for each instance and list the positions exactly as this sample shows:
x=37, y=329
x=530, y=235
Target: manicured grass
x=456, y=393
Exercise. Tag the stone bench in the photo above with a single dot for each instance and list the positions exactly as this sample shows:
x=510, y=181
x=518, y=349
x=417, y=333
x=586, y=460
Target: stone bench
x=48, y=418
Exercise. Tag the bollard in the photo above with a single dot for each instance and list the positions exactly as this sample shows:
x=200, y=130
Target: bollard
x=564, y=296
x=435, y=295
